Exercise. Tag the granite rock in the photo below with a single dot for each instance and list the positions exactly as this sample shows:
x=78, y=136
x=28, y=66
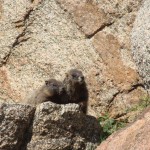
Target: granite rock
x=140, y=38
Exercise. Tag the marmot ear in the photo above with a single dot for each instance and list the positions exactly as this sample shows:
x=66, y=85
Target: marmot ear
x=66, y=74
x=46, y=82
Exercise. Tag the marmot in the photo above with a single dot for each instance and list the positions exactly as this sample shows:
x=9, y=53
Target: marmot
x=76, y=89
x=50, y=91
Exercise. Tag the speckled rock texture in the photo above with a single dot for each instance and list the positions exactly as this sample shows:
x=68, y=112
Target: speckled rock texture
x=15, y=119
x=63, y=127
x=51, y=126
x=134, y=137
x=43, y=39
x=141, y=42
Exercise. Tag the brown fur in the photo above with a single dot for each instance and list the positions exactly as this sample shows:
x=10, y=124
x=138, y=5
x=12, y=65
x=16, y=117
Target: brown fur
x=50, y=91
x=76, y=90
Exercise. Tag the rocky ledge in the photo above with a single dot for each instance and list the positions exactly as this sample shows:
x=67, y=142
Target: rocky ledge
x=50, y=126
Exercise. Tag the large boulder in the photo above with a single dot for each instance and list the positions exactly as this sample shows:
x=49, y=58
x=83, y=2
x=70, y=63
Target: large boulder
x=15, y=120
x=141, y=42
x=134, y=137
x=51, y=126
x=63, y=127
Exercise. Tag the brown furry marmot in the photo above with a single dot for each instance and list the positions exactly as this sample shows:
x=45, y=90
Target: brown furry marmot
x=76, y=89
x=50, y=91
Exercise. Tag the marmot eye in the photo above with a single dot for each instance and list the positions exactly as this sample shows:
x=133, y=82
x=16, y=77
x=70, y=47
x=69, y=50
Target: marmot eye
x=46, y=82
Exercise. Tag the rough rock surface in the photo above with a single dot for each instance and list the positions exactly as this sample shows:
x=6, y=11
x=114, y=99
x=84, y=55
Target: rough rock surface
x=51, y=126
x=63, y=127
x=42, y=39
x=88, y=16
x=141, y=41
x=134, y=137
x=14, y=122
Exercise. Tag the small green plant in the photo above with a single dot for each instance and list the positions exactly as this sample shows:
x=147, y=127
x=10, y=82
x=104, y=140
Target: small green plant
x=109, y=125
x=145, y=102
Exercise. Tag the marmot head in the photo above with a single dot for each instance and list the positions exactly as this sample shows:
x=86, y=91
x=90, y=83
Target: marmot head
x=53, y=87
x=75, y=76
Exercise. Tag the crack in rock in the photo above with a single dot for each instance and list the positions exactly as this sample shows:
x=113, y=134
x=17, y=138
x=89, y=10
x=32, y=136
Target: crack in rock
x=18, y=24
x=100, y=29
